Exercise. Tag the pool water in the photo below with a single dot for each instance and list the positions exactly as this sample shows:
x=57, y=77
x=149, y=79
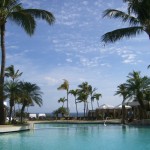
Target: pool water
x=78, y=137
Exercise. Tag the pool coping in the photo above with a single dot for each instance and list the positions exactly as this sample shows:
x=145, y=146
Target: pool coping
x=30, y=124
x=14, y=128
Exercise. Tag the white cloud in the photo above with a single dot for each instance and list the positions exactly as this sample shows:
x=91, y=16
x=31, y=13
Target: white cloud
x=51, y=80
x=69, y=60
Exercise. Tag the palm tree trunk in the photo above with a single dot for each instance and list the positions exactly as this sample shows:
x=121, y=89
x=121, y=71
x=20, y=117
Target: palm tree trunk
x=22, y=110
x=92, y=107
x=3, y=58
x=87, y=108
x=67, y=102
x=123, y=114
x=92, y=104
x=76, y=107
x=97, y=103
x=10, y=112
x=84, y=109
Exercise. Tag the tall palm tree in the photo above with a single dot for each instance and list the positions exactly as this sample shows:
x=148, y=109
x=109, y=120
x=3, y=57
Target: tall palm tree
x=122, y=91
x=65, y=86
x=62, y=100
x=75, y=93
x=137, y=16
x=11, y=89
x=82, y=97
x=30, y=94
x=97, y=97
x=91, y=92
x=10, y=72
x=84, y=92
x=13, y=10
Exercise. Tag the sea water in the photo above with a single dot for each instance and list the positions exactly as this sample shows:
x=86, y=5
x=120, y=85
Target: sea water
x=78, y=137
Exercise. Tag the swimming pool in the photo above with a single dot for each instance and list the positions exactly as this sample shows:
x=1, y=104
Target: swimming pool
x=78, y=137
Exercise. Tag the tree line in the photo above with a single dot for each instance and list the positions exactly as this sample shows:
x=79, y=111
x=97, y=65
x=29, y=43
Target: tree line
x=19, y=92
x=13, y=10
x=136, y=88
x=81, y=95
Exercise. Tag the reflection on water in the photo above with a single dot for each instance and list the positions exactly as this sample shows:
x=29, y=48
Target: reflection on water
x=77, y=137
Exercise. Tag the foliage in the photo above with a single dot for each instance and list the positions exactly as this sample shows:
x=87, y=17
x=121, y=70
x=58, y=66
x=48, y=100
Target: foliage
x=65, y=86
x=137, y=16
x=13, y=11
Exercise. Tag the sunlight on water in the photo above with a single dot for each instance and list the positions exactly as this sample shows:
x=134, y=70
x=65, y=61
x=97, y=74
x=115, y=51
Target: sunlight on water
x=78, y=137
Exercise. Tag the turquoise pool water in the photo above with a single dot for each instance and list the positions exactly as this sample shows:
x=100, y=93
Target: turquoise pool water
x=78, y=137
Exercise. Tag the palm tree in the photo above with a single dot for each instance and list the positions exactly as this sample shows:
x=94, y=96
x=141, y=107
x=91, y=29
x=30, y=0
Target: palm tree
x=63, y=111
x=30, y=94
x=65, y=86
x=91, y=92
x=11, y=91
x=62, y=100
x=82, y=97
x=138, y=87
x=97, y=97
x=10, y=72
x=84, y=92
x=137, y=16
x=13, y=10
x=75, y=93
x=122, y=91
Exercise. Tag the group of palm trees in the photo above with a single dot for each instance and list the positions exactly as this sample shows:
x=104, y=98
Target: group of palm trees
x=81, y=95
x=13, y=10
x=138, y=18
x=137, y=15
x=136, y=88
x=24, y=94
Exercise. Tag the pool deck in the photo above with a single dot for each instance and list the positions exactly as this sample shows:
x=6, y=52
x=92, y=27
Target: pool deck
x=30, y=125
x=113, y=121
x=13, y=128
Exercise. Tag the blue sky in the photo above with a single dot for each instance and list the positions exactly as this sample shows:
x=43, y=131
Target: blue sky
x=71, y=49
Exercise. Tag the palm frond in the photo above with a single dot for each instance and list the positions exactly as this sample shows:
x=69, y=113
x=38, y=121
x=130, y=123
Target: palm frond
x=25, y=20
x=116, y=14
x=148, y=66
x=113, y=36
x=41, y=14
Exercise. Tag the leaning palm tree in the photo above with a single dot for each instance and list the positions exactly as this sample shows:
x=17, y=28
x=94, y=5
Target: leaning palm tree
x=65, y=86
x=75, y=93
x=137, y=16
x=10, y=72
x=30, y=94
x=122, y=91
x=13, y=10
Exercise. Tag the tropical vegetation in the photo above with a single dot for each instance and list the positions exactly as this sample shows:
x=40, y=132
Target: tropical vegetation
x=81, y=95
x=19, y=92
x=13, y=10
x=65, y=86
x=137, y=16
x=136, y=88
